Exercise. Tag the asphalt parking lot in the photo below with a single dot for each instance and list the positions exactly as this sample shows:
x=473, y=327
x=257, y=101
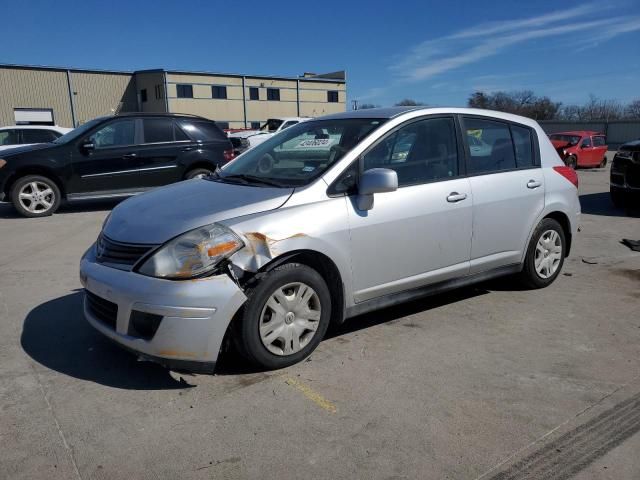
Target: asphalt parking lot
x=486, y=382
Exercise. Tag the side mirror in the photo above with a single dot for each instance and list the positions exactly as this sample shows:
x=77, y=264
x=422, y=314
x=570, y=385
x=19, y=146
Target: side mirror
x=375, y=180
x=88, y=145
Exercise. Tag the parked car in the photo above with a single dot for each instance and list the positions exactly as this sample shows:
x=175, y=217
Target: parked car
x=269, y=129
x=581, y=148
x=268, y=257
x=20, y=135
x=110, y=157
x=625, y=173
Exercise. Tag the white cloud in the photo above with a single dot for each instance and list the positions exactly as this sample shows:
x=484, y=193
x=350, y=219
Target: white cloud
x=440, y=55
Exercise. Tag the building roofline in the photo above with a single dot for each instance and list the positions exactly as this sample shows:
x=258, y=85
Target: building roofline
x=318, y=78
x=62, y=69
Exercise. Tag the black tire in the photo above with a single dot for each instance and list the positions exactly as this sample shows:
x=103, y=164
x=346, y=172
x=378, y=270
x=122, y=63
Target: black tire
x=22, y=185
x=249, y=342
x=529, y=276
x=198, y=172
x=617, y=197
x=603, y=163
x=572, y=162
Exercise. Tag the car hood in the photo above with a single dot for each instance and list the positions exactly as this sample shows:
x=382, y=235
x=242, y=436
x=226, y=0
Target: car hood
x=17, y=149
x=161, y=214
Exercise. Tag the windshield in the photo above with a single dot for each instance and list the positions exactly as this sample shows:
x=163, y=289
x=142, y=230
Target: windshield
x=271, y=126
x=299, y=154
x=571, y=139
x=78, y=132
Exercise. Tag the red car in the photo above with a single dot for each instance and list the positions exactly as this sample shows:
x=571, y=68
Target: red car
x=581, y=148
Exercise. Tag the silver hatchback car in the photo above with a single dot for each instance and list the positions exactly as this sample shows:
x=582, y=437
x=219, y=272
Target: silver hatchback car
x=329, y=219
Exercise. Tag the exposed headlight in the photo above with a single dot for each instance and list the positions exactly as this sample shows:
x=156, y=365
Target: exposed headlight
x=192, y=254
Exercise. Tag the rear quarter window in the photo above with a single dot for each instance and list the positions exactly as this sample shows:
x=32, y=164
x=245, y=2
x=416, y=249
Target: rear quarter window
x=202, y=131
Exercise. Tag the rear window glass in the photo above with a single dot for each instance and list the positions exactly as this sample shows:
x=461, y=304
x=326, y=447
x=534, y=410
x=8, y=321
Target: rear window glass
x=202, y=131
x=38, y=136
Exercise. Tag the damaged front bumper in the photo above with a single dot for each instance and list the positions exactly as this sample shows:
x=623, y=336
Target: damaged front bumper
x=180, y=324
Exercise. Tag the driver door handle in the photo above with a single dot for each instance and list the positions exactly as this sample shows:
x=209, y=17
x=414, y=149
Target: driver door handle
x=533, y=183
x=129, y=156
x=455, y=197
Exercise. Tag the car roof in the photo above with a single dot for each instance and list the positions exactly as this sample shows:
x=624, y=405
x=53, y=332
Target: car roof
x=159, y=114
x=36, y=127
x=578, y=132
x=395, y=112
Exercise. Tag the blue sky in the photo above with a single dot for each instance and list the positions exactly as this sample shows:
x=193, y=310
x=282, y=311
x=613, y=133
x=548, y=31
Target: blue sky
x=437, y=52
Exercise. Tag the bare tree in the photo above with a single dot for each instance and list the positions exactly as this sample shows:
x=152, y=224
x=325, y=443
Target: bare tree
x=523, y=102
x=633, y=110
x=407, y=102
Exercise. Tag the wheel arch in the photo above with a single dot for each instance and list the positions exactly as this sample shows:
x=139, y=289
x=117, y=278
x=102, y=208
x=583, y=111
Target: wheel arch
x=34, y=170
x=564, y=222
x=327, y=269
x=208, y=164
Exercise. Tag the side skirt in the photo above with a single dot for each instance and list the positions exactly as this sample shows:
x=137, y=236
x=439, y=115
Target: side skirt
x=74, y=197
x=428, y=290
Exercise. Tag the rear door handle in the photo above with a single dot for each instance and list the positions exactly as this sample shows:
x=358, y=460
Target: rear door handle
x=456, y=197
x=533, y=183
x=129, y=156
x=188, y=149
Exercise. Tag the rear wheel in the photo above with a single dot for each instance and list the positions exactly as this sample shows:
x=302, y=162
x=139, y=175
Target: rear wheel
x=35, y=196
x=603, y=163
x=545, y=254
x=286, y=315
x=198, y=173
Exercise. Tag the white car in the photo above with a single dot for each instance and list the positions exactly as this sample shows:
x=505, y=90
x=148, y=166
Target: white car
x=21, y=135
x=268, y=130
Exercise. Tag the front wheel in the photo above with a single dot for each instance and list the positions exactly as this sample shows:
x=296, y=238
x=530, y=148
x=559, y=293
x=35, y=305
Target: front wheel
x=286, y=315
x=572, y=161
x=35, y=196
x=545, y=254
x=198, y=173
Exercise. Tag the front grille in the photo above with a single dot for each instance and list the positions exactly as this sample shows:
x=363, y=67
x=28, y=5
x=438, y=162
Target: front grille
x=119, y=255
x=103, y=310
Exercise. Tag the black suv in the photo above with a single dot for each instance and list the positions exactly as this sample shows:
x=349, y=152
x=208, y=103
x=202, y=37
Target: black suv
x=625, y=173
x=114, y=156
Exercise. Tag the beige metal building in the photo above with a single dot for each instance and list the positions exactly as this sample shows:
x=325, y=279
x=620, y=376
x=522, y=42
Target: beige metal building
x=69, y=97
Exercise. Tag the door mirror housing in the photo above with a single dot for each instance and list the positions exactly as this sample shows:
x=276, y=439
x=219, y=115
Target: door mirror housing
x=88, y=145
x=375, y=180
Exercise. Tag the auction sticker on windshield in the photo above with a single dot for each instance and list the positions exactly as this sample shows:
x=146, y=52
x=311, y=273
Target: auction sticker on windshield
x=318, y=142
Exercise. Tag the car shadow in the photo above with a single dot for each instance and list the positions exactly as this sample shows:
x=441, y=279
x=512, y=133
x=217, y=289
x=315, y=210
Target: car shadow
x=56, y=335
x=600, y=204
x=232, y=363
x=7, y=210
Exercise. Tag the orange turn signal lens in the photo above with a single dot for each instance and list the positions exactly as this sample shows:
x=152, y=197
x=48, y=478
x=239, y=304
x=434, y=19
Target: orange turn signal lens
x=2, y=162
x=222, y=248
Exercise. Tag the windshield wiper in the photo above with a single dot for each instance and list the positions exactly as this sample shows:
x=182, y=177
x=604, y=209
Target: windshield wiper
x=251, y=179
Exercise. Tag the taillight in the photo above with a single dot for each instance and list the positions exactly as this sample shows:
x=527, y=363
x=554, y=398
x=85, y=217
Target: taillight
x=568, y=173
x=228, y=155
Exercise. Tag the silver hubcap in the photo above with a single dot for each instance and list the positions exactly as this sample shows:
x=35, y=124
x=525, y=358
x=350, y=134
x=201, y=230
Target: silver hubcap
x=290, y=319
x=548, y=254
x=36, y=197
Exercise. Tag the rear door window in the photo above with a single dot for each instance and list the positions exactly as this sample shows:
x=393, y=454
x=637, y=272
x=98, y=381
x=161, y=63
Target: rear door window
x=496, y=150
x=523, y=142
x=157, y=130
x=599, y=141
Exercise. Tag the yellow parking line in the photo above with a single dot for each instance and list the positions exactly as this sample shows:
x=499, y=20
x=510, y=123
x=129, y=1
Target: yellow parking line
x=312, y=395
